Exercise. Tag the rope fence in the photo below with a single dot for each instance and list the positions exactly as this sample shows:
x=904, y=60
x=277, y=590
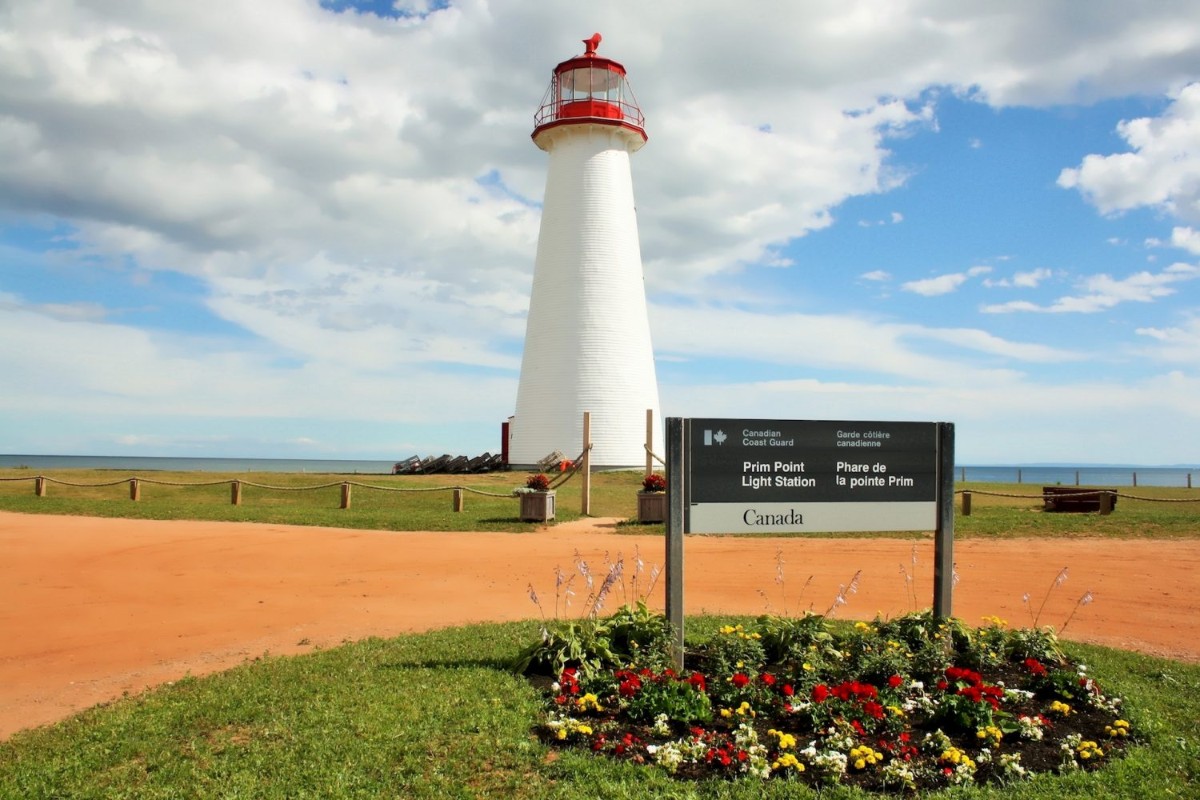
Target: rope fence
x=1082, y=493
x=654, y=455
x=576, y=466
x=135, y=482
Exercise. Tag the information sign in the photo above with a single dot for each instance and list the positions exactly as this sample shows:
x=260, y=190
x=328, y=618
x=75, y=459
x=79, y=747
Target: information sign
x=776, y=476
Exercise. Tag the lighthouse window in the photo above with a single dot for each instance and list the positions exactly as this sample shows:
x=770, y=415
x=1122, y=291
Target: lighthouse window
x=588, y=84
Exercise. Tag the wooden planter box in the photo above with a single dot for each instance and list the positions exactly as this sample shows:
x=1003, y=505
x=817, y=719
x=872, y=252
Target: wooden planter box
x=537, y=506
x=652, y=507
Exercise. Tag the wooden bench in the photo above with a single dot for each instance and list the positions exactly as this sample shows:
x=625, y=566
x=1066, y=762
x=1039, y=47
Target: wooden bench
x=1077, y=500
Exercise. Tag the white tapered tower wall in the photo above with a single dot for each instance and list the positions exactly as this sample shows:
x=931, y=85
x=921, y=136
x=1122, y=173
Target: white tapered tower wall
x=587, y=340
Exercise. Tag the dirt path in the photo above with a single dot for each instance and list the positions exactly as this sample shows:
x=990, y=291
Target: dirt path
x=93, y=608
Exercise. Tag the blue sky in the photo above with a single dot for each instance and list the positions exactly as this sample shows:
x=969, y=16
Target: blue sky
x=301, y=229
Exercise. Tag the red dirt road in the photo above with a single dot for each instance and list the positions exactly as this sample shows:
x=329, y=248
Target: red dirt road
x=93, y=608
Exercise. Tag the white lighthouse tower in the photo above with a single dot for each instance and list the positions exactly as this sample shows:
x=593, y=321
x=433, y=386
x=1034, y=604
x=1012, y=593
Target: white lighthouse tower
x=587, y=338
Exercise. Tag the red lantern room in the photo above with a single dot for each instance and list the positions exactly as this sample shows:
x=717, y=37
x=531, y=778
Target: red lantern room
x=590, y=89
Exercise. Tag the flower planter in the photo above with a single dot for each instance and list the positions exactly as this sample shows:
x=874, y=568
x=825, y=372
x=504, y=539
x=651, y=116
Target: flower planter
x=652, y=507
x=537, y=506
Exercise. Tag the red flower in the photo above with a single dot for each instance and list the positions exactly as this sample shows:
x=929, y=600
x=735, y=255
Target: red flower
x=697, y=680
x=768, y=679
x=629, y=683
x=740, y=680
x=895, y=681
x=788, y=691
x=820, y=692
x=1035, y=667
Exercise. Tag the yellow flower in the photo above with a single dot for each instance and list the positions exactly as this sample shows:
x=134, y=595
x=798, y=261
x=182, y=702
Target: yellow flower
x=786, y=761
x=589, y=700
x=1060, y=707
x=808, y=667
x=1118, y=728
x=863, y=756
x=726, y=713
x=786, y=740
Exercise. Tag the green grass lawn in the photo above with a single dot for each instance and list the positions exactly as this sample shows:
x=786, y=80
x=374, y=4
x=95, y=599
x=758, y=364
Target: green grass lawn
x=438, y=715
x=614, y=494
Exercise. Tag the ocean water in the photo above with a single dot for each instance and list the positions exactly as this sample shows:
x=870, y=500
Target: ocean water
x=1119, y=475
x=1065, y=475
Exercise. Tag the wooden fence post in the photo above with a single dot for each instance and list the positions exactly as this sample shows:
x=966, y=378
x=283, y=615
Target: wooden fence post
x=1106, y=503
x=966, y=504
x=586, y=489
x=345, y=495
x=135, y=490
x=235, y=493
x=459, y=503
x=39, y=486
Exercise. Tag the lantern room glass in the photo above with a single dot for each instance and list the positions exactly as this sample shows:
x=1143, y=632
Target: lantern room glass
x=589, y=83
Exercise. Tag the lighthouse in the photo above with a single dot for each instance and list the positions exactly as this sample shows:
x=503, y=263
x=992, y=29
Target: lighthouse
x=587, y=337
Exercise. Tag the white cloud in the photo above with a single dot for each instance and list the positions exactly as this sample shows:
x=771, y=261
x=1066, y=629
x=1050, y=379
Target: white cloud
x=1186, y=239
x=943, y=284
x=1021, y=280
x=1102, y=292
x=1180, y=344
x=359, y=197
x=841, y=342
x=1162, y=170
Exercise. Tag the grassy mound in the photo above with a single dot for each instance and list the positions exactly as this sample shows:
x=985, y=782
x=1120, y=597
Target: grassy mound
x=441, y=715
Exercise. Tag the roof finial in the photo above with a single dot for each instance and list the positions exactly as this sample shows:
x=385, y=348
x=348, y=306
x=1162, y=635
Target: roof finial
x=591, y=44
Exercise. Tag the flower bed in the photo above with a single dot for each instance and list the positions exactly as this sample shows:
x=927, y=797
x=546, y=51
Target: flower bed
x=893, y=706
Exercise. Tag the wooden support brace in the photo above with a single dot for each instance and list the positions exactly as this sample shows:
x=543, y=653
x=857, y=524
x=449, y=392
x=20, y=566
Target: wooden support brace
x=345, y=495
x=39, y=486
x=966, y=504
x=135, y=489
x=235, y=493
x=459, y=501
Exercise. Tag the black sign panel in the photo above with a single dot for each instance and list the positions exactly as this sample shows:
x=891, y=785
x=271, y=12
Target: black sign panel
x=749, y=474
